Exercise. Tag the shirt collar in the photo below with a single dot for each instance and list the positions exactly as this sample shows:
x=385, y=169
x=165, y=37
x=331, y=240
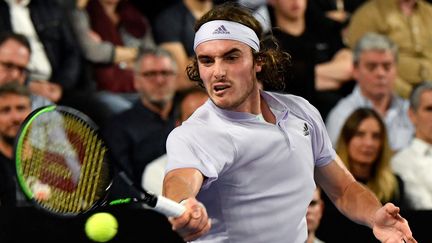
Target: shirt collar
x=422, y=147
x=395, y=101
x=274, y=104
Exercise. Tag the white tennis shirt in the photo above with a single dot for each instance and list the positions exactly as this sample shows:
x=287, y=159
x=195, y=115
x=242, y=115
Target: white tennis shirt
x=260, y=175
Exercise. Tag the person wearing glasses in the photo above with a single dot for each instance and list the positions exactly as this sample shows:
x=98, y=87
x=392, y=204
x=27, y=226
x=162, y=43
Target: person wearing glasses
x=15, y=54
x=137, y=136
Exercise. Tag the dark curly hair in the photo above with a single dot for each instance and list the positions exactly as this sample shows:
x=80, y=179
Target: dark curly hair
x=274, y=61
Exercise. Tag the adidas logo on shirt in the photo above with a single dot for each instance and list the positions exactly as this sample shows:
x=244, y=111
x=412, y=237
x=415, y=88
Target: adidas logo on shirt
x=306, y=130
x=221, y=30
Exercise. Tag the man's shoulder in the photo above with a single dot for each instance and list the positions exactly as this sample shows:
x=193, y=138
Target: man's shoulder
x=290, y=101
x=344, y=106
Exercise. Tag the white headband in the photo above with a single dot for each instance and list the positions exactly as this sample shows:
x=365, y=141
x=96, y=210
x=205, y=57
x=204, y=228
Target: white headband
x=226, y=30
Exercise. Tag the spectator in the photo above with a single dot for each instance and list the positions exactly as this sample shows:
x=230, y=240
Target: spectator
x=375, y=59
x=153, y=10
x=121, y=24
x=137, y=136
x=189, y=101
x=408, y=23
x=55, y=61
x=413, y=163
x=320, y=64
x=14, y=57
x=94, y=48
x=364, y=148
x=337, y=10
x=178, y=38
x=15, y=105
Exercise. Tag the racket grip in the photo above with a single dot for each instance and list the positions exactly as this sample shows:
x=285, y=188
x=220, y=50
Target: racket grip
x=168, y=207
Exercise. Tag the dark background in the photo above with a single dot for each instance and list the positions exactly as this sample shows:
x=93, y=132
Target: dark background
x=32, y=225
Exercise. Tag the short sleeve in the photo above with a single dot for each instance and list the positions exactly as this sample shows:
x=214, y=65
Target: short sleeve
x=321, y=145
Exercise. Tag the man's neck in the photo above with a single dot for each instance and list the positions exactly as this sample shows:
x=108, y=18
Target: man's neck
x=424, y=138
x=266, y=112
x=294, y=27
x=162, y=110
x=380, y=103
x=311, y=237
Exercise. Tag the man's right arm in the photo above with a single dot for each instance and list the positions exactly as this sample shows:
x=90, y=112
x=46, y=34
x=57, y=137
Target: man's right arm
x=182, y=185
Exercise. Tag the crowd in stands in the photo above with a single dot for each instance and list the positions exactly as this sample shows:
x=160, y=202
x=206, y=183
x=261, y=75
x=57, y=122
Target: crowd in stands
x=365, y=65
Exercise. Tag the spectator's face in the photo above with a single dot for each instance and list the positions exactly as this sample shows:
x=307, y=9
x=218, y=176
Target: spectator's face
x=422, y=118
x=228, y=71
x=314, y=212
x=289, y=9
x=375, y=73
x=14, y=58
x=13, y=110
x=364, y=147
x=156, y=82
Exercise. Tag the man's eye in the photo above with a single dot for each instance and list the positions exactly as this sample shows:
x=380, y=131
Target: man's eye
x=205, y=60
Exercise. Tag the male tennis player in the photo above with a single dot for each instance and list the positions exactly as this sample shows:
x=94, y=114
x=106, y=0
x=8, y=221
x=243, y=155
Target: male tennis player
x=251, y=157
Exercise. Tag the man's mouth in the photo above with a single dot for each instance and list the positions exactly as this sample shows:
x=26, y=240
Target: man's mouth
x=220, y=87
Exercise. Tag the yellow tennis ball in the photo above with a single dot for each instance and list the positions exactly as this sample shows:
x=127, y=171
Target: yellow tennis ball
x=101, y=227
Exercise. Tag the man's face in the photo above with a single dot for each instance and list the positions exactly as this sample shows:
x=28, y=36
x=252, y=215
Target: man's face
x=422, y=118
x=228, y=72
x=290, y=9
x=14, y=58
x=13, y=110
x=156, y=82
x=375, y=73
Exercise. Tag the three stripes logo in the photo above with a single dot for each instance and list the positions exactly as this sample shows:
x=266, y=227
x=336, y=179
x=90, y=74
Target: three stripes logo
x=306, y=130
x=221, y=30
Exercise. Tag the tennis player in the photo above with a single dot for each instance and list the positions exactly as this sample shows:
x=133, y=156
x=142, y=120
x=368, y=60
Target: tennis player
x=245, y=163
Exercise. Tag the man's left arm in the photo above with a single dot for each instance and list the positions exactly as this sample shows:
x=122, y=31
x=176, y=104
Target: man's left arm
x=360, y=205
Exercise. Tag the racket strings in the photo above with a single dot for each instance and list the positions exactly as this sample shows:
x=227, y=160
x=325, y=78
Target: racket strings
x=69, y=158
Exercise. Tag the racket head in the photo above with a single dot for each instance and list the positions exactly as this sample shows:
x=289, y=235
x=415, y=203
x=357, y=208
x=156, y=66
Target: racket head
x=62, y=163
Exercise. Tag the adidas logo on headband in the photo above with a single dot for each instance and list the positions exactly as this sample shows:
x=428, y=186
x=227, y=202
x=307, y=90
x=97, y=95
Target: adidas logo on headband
x=226, y=30
x=221, y=30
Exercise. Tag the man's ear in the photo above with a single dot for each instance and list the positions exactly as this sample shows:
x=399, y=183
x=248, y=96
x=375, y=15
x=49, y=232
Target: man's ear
x=412, y=116
x=259, y=63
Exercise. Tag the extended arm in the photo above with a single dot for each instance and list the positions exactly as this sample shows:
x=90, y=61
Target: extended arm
x=332, y=74
x=183, y=185
x=360, y=204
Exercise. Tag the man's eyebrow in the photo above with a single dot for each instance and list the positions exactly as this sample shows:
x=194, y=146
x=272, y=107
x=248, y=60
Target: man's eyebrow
x=233, y=50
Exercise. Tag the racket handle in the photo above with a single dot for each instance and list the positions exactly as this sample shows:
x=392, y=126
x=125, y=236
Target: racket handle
x=168, y=207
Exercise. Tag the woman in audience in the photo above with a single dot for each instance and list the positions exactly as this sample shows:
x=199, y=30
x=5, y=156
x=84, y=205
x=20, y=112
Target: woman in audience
x=364, y=148
x=120, y=23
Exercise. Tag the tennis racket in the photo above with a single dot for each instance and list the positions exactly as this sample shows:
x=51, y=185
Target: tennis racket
x=63, y=165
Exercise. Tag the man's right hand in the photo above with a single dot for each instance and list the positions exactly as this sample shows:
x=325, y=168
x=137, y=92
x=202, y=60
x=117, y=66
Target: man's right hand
x=194, y=222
